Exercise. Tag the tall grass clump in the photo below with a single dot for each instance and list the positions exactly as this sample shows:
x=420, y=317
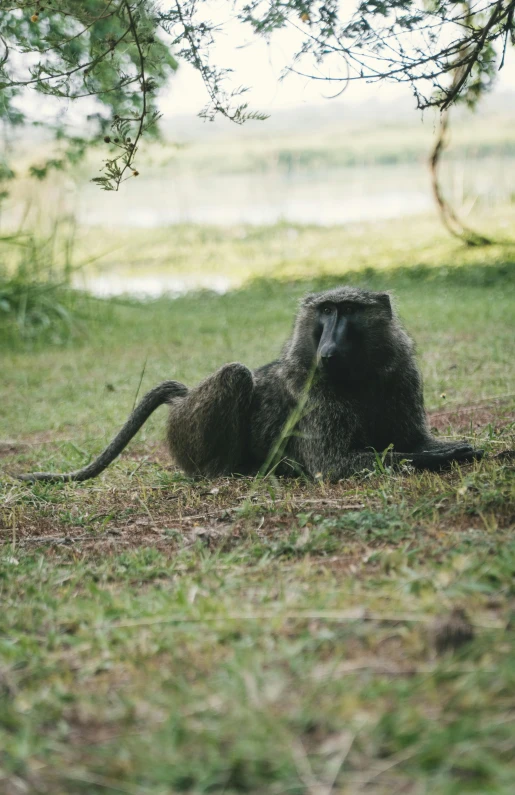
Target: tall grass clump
x=38, y=304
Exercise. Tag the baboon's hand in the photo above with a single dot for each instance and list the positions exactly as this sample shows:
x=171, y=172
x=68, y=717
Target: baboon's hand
x=442, y=457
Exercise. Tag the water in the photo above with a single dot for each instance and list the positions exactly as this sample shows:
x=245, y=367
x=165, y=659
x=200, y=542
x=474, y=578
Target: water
x=148, y=285
x=323, y=197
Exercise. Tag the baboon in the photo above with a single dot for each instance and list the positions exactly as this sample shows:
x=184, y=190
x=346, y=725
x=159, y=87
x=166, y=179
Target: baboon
x=345, y=389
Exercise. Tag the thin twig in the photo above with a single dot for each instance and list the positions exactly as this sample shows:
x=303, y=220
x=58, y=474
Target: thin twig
x=142, y=118
x=339, y=764
x=458, y=85
x=351, y=615
x=140, y=382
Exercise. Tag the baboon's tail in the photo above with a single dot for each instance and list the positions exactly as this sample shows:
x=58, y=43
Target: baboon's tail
x=162, y=393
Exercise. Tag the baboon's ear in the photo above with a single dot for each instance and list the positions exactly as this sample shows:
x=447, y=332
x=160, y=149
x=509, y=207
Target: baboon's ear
x=384, y=300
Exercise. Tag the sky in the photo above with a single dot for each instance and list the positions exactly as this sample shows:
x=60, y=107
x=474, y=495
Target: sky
x=259, y=66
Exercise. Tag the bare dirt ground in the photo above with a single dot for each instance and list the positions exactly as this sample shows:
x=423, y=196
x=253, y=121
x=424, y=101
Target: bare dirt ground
x=459, y=419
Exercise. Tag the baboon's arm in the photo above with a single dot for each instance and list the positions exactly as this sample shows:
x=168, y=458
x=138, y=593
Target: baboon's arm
x=160, y=394
x=437, y=455
x=432, y=459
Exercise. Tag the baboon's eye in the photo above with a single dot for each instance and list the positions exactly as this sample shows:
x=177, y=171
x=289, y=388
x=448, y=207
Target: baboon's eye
x=327, y=309
x=349, y=309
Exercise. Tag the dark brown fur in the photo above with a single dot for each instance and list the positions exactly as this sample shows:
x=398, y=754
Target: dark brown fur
x=377, y=403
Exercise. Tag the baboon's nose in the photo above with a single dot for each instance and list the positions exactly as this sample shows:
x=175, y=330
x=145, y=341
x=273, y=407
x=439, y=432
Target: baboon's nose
x=328, y=351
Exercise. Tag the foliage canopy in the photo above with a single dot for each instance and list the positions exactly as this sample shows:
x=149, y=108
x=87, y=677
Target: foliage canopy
x=120, y=52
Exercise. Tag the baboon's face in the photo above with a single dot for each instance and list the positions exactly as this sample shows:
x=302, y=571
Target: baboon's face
x=345, y=333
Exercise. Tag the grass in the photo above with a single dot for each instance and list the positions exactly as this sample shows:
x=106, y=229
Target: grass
x=38, y=305
x=160, y=635
x=292, y=252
